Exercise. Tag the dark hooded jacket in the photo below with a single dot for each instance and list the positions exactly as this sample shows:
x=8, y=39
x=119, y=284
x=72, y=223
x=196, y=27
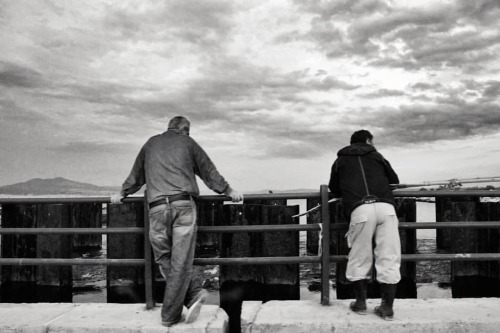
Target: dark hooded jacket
x=347, y=181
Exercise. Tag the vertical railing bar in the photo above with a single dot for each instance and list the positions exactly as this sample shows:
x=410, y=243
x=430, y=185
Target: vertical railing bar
x=148, y=268
x=325, y=246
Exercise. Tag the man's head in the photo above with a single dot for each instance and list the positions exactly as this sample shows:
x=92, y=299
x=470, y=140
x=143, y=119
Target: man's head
x=362, y=136
x=181, y=124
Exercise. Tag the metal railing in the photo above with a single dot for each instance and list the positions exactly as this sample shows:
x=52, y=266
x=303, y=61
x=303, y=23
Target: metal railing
x=324, y=227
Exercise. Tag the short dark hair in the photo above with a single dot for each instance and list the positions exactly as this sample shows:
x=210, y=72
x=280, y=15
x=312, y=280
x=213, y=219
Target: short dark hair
x=178, y=123
x=361, y=136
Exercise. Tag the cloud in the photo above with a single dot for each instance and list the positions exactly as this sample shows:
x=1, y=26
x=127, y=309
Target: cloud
x=268, y=108
x=443, y=116
x=19, y=125
x=259, y=80
x=383, y=93
x=202, y=24
x=12, y=75
x=450, y=120
x=294, y=149
x=90, y=148
x=424, y=86
x=409, y=36
x=13, y=113
x=491, y=91
x=222, y=95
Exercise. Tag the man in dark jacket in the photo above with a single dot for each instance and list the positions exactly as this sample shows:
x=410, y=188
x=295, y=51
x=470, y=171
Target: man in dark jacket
x=361, y=177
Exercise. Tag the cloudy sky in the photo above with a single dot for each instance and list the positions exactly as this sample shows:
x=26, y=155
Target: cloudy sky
x=273, y=88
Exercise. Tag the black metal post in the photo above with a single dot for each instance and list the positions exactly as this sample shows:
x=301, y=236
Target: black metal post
x=148, y=268
x=325, y=247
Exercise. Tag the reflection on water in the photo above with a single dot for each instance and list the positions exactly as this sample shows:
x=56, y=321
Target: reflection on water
x=89, y=282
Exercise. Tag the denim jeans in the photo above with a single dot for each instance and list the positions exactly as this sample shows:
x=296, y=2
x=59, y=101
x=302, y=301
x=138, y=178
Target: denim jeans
x=173, y=239
x=374, y=223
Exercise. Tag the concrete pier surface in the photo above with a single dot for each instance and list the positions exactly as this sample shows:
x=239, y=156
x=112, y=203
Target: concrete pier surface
x=411, y=315
x=101, y=318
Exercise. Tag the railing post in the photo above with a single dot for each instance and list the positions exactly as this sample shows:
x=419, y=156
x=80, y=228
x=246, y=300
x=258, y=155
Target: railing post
x=148, y=267
x=325, y=246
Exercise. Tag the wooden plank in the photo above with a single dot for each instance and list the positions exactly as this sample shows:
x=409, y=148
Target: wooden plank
x=443, y=214
x=54, y=282
x=86, y=215
x=474, y=279
x=18, y=284
x=257, y=282
x=250, y=244
x=208, y=215
x=406, y=210
x=36, y=283
x=314, y=217
x=125, y=284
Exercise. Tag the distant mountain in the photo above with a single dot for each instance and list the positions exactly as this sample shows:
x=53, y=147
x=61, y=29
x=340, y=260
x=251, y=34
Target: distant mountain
x=62, y=186
x=56, y=186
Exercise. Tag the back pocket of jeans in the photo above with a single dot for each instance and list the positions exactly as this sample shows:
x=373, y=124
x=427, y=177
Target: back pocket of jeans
x=355, y=226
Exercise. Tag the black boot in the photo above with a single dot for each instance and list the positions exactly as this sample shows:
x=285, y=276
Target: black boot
x=387, y=293
x=360, y=291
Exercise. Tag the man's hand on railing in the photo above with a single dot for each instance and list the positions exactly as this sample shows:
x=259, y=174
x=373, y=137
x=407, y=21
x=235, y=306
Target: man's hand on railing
x=117, y=198
x=234, y=195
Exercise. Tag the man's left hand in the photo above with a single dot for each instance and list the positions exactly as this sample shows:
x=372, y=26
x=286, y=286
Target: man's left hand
x=117, y=198
x=235, y=196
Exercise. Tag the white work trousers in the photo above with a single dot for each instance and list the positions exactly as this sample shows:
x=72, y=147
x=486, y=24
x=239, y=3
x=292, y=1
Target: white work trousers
x=373, y=234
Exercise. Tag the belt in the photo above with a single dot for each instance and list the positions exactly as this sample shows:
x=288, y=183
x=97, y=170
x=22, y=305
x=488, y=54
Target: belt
x=369, y=200
x=167, y=200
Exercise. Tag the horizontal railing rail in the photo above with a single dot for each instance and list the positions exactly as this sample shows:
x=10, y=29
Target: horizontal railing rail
x=342, y=258
x=451, y=257
x=324, y=258
x=202, y=198
x=249, y=197
x=446, y=193
x=67, y=262
x=70, y=231
x=247, y=228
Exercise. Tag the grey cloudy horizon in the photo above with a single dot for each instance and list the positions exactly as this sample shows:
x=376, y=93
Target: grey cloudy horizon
x=273, y=88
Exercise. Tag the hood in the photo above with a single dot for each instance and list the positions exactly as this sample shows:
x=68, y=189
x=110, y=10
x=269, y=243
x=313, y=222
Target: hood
x=356, y=149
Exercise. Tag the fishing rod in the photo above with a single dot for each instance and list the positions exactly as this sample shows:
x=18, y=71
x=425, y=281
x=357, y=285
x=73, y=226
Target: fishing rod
x=452, y=182
x=315, y=207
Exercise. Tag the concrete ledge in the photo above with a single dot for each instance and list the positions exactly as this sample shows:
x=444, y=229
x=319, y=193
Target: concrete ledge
x=411, y=315
x=101, y=318
x=30, y=318
x=249, y=310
